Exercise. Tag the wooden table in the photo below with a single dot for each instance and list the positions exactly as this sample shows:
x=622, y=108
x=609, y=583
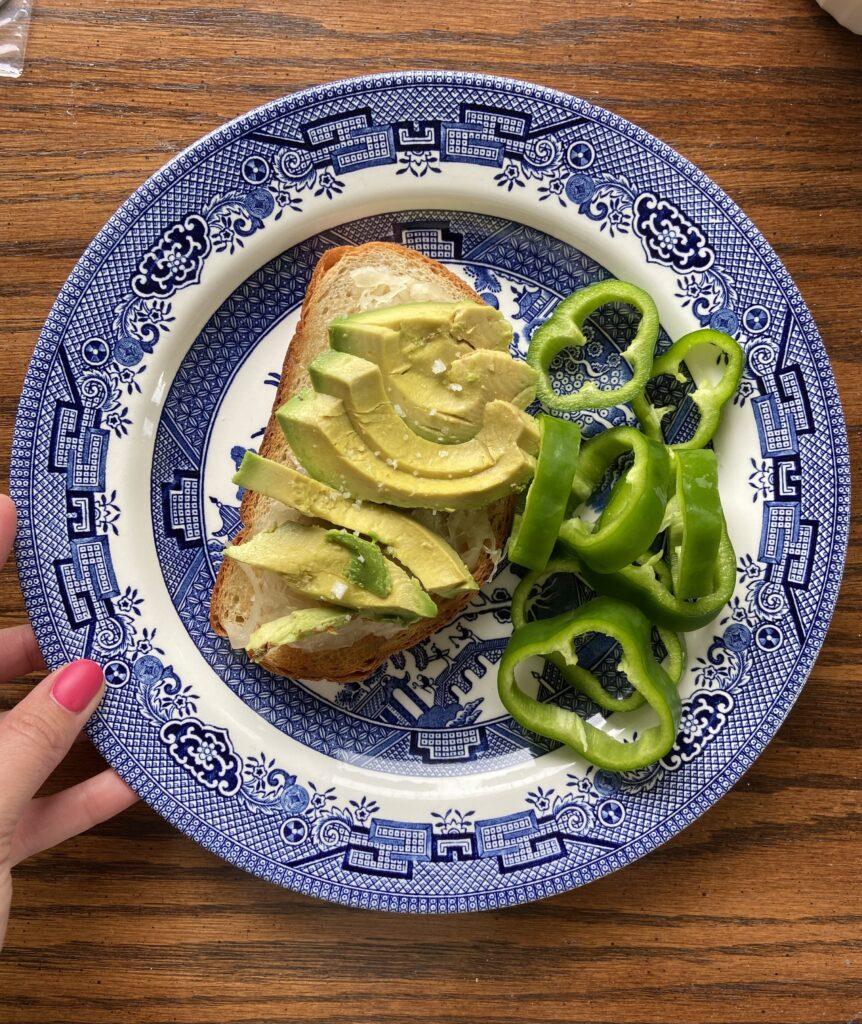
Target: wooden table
x=754, y=913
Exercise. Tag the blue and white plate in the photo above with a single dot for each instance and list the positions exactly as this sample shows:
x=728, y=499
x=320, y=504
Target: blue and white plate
x=156, y=370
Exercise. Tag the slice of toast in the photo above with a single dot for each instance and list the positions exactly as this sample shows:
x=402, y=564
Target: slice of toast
x=346, y=280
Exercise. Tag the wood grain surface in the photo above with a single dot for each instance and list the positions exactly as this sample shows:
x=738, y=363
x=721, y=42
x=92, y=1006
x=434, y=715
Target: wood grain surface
x=754, y=913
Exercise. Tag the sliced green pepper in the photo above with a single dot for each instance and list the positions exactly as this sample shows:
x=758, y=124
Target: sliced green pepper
x=536, y=530
x=577, y=676
x=564, y=329
x=554, y=637
x=647, y=584
x=696, y=519
x=708, y=398
x=635, y=510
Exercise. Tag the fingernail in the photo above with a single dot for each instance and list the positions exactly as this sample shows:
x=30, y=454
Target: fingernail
x=77, y=684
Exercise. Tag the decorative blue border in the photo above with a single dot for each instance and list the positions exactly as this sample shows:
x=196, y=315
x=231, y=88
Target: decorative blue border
x=783, y=531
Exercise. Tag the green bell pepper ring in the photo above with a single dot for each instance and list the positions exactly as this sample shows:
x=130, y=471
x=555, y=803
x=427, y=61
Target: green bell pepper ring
x=536, y=530
x=635, y=510
x=564, y=329
x=555, y=637
x=696, y=519
x=577, y=676
x=647, y=585
x=709, y=399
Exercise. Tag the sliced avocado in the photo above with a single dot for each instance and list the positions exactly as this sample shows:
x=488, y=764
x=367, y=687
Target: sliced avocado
x=290, y=628
x=367, y=568
x=319, y=431
x=418, y=354
x=358, y=383
x=473, y=323
x=312, y=566
x=498, y=376
x=431, y=560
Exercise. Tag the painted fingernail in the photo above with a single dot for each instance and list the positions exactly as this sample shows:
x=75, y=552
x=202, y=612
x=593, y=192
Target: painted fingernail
x=77, y=684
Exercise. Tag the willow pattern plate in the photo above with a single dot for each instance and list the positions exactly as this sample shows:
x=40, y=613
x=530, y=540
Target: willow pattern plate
x=155, y=371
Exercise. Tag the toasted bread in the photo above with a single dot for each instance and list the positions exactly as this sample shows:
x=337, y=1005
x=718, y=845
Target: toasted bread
x=334, y=291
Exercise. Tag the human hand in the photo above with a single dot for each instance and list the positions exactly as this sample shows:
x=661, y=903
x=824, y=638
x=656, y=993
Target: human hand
x=34, y=738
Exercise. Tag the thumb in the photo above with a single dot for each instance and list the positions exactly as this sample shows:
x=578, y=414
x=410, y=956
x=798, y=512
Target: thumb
x=37, y=733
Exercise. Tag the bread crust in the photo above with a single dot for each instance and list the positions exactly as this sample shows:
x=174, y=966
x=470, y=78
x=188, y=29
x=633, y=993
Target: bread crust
x=357, y=661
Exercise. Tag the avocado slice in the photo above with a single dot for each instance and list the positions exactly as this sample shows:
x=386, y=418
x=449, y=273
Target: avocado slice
x=367, y=568
x=295, y=626
x=313, y=566
x=418, y=348
x=320, y=433
x=431, y=560
x=473, y=323
x=359, y=385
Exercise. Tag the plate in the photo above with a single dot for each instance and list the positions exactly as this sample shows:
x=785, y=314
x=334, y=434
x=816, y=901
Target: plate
x=156, y=370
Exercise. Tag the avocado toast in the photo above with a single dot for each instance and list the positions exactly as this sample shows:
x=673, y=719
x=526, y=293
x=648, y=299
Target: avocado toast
x=445, y=532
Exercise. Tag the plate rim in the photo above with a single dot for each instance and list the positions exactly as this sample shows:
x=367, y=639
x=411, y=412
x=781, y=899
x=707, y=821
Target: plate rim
x=79, y=281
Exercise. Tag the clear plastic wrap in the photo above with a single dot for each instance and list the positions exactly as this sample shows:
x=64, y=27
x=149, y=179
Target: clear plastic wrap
x=14, y=23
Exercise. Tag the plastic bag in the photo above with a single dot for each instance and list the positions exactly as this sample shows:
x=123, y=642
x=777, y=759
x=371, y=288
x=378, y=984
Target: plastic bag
x=14, y=23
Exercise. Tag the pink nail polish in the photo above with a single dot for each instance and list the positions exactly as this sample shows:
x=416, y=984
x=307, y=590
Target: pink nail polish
x=77, y=684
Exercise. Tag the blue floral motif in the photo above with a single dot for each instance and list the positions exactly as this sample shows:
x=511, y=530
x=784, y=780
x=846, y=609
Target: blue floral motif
x=740, y=611
x=748, y=570
x=231, y=220
x=579, y=188
x=328, y=185
x=124, y=379
x=294, y=799
x=117, y=419
x=205, y=752
x=320, y=800
x=510, y=176
x=760, y=480
x=262, y=778
x=128, y=604
x=285, y=196
x=175, y=261
x=128, y=351
x=610, y=204
x=259, y=202
x=668, y=236
x=541, y=799
x=107, y=512
x=419, y=164
x=161, y=693
x=453, y=821
x=747, y=390
x=724, y=319
x=148, y=669
x=737, y=637
x=554, y=187
x=361, y=811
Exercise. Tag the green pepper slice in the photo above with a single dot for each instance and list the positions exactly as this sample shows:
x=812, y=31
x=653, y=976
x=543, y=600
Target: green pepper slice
x=577, y=676
x=635, y=510
x=564, y=329
x=647, y=584
x=709, y=399
x=536, y=530
x=694, y=529
x=631, y=630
